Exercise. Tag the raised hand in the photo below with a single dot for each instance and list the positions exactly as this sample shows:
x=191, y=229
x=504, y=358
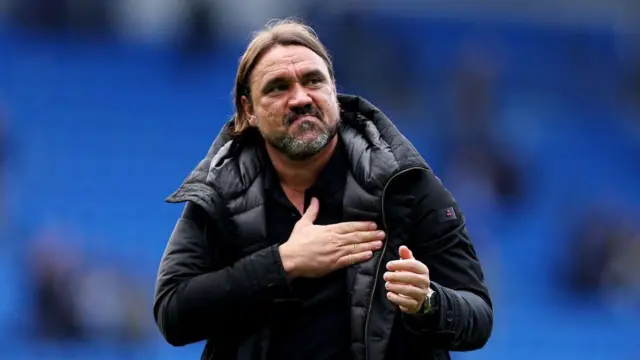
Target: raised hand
x=407, y=282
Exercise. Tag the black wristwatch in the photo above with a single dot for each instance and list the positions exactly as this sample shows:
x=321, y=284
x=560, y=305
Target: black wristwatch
x=430, y=304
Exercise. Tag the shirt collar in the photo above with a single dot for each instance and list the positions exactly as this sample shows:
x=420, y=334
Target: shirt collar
x=329, y=182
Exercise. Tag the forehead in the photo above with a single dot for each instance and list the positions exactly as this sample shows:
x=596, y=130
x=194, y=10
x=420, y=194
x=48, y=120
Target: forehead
x=282, y=59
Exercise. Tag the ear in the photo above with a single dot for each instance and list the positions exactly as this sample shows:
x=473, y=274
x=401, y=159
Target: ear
x=248, y=111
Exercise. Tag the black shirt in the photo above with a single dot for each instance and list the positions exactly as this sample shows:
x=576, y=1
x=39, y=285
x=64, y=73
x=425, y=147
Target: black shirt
x=315, y=324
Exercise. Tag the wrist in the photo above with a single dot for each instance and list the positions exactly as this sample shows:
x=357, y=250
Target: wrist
x=430, y=305
x=288, y=264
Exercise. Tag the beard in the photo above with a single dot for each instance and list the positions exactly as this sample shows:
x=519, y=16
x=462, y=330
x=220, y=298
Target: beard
x=300, y=146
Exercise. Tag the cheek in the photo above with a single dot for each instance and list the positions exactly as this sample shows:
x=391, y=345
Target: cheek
x=331, y=109
x=326, y=101
x=270, y=118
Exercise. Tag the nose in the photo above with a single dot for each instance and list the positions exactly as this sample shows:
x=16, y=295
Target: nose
x=299, y=97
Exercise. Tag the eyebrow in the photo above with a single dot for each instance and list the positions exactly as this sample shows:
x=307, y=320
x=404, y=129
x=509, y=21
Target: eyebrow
x=313, y=73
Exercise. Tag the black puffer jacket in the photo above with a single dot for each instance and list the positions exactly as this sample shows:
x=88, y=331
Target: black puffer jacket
x=217, y=281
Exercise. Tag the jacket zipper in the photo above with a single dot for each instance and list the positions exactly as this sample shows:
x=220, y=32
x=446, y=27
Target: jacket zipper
x=384, y=248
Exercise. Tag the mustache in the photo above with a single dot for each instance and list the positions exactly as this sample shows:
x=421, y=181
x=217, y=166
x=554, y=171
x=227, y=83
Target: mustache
x=295, y=113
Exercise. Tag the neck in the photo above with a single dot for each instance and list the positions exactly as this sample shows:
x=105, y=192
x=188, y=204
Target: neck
x=300, y=175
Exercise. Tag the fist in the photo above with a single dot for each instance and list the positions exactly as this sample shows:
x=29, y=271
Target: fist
x=407, y=282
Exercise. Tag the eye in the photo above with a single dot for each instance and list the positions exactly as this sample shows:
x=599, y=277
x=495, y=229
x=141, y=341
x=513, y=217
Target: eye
x=278, y=88
x=314, y=80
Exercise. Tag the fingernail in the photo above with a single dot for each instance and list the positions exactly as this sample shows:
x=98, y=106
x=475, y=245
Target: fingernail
x=373, y=226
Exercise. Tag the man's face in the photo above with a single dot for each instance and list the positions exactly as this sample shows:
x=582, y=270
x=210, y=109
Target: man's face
x=293, y=101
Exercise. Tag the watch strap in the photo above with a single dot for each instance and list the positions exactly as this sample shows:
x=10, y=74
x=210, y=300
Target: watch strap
x=429, y=305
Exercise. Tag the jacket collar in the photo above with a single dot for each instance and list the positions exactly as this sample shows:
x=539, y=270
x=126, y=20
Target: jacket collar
x=374, y=147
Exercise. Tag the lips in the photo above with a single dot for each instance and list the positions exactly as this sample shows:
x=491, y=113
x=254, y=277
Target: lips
x=305, y=117
x=301, y=118
x=310, y=114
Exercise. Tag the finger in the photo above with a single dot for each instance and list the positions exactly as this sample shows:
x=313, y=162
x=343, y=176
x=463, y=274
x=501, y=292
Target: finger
x=359, y=237
x=406, y=290
x=405, y=277
x=312, y=211
x=414, y=266
x=405, y=253
x=408, y=303
x=358, y=248
x=352, y=226
x=311, y=214
x=353, y=259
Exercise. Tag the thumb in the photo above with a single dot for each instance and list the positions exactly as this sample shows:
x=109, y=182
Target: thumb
x=312, y=211
x=405, y=253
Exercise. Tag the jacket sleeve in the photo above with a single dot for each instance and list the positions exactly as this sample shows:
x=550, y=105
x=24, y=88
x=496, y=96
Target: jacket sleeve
x=440, y=240
x=196, y=298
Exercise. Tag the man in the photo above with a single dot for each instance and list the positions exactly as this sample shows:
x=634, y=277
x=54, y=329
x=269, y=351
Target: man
x=314, y=230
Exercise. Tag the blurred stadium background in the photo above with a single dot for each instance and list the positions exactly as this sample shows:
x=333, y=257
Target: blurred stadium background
x=528, y=110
